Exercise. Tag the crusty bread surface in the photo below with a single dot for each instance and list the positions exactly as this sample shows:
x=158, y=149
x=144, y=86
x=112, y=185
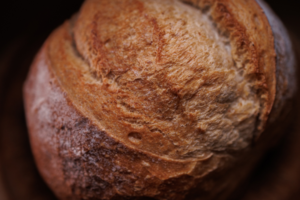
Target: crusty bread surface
x=158, y=99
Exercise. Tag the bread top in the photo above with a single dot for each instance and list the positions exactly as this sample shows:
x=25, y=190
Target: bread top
x=178, y=80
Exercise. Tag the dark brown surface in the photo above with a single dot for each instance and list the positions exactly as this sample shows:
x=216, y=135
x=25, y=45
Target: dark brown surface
x=276, y=178
x=18, y=45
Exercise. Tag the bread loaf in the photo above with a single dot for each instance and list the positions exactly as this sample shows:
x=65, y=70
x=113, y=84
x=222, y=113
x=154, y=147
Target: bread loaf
x=158, y=99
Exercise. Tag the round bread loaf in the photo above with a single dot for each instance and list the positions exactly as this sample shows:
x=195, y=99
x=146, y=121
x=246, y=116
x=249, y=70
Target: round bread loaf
x=158, y=99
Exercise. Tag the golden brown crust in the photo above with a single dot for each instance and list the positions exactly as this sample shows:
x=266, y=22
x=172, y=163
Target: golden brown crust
x=155, y=82
x=285, y=65
x=155, y=99
x=252, y=52
x=79, y=160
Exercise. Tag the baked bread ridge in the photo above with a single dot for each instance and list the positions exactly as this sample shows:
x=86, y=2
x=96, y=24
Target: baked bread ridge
x=87, y=161
x=158, y=89
x=80, y=161
x=286, y=84
x=161, y=108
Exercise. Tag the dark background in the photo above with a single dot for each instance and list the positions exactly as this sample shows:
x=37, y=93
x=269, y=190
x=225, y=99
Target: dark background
x=38, y=17
x=24, y=25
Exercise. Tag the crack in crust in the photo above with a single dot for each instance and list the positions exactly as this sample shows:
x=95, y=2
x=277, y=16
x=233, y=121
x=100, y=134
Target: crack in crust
x=168, y=67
